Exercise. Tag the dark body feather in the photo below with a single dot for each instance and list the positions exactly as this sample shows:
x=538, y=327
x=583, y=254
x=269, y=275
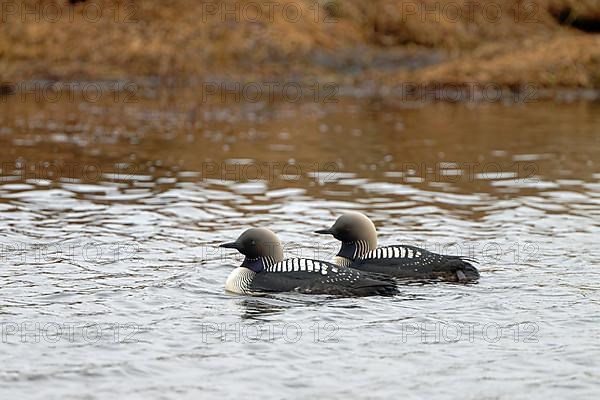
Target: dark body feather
x=319, y=277
x=406, y=262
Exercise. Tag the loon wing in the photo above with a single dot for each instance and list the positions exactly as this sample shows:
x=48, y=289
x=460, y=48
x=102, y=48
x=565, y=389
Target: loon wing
x=403, y=261
x=319, y=277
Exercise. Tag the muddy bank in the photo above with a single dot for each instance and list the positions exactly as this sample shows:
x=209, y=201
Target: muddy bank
x=548, y=44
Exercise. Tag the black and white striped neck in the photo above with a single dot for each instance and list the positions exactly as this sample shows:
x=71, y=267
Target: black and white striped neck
x=259, y=264
x=354, y=250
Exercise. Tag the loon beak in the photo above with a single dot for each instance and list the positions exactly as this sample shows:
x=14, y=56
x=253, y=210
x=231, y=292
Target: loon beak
x=232, y=245
x=325, y=231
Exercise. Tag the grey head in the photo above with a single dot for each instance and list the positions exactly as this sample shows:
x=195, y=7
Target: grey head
x=356, y=232
x=260, y=246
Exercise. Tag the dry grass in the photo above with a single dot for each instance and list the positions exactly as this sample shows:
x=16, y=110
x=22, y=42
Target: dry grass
x=557, y=62
x=192, y=38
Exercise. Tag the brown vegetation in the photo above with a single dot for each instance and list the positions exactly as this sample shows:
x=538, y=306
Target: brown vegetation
x=511, y=42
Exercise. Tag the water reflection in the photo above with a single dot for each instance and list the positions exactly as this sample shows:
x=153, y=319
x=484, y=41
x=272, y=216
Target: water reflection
x=111, y=213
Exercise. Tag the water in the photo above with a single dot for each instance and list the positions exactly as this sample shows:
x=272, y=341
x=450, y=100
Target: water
x=111, y=284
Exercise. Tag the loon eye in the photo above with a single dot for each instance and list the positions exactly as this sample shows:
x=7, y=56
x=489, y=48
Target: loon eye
x=253, y=243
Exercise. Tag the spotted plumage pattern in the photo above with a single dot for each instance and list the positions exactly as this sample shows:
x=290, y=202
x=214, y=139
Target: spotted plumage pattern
x=315, y=277
x=403, y=261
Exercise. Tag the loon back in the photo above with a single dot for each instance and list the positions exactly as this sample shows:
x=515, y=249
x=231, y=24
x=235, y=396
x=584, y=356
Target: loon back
x=403, y=261
x=308, y=276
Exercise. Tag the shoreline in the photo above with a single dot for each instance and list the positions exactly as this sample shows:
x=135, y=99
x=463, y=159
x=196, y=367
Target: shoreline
x=554, y=45
x=223, y=90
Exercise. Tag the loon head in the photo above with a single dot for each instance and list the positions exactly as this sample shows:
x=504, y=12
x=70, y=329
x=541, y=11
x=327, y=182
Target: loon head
x=260, y=246
x=356, y=232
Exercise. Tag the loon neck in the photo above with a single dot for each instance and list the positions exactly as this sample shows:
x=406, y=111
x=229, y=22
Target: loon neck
x=258, y=264
x=354, y=250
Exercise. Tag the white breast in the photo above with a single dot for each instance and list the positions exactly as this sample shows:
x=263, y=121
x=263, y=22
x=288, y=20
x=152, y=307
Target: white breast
x=239, y=280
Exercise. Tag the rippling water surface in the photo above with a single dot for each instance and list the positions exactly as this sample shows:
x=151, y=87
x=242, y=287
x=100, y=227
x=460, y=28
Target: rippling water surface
x=111, y=283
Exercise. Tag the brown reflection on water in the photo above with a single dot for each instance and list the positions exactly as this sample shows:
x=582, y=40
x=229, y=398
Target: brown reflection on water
x=345, y=150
